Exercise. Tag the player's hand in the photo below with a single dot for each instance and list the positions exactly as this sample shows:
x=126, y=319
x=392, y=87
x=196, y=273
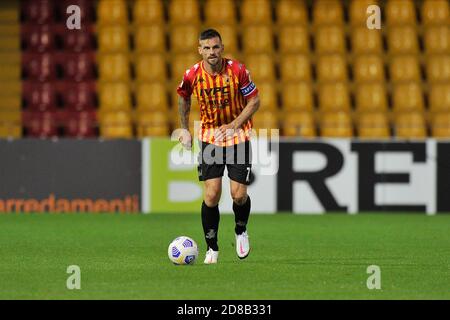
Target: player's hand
x=225, y=131
x=185, y=139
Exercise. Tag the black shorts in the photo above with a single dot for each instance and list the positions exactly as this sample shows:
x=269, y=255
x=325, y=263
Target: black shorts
x=238, y=159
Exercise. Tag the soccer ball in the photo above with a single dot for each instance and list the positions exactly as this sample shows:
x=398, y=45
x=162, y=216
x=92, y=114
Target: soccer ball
x=183, y=250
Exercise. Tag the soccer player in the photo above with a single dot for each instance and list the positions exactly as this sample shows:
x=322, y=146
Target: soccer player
x=227, y=98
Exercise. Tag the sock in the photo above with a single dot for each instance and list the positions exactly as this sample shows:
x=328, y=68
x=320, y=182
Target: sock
x=241, y=214
x=210, y=222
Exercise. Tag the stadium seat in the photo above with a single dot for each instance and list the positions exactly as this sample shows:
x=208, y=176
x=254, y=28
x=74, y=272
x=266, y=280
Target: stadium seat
x=78, y=41
x=358, y=12
x=115, y=96
x=329, y=39
x=152, y=124
x=368, y=68
x=229, y=36
x=402, y=40
x=371, y=97
x=440, y=125
x=38, y=38
x=295, y=67
x=265, y=120
x=327, y=12
x=78, y=66
x=38, y=11
x=366, y=41
x=80, y=124
x=257, y=39
x=184, y=12
x=438, y=68
x=148, y=12
x=151, y=96
x=40, y=96
x=439, y=97
x=410, y=125
x=299, y=124
x=291, y=12
x=373, y=125
x=114, y=67
x=261, y=67
x=180, y=63
x=184, y=38
x=297, y=96
x=437, y=40
x=336, y=125
x=293, y=39
x=435, y=12
x=334, y=96
x=113, y=38
x=41, y=124
x=400, y=12
x=114, y=125
x=407, y=97
x=225, y=15
x=256, y=12
x=268, y=96
x=10, y=101
x=39, y=67
x=150, y=38
x=404, y=68
x=112, y=12
x=151, y=67
x=78, y=96
x=332, y=67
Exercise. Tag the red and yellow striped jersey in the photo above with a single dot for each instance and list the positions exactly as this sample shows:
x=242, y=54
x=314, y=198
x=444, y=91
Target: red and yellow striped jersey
x=221, y=98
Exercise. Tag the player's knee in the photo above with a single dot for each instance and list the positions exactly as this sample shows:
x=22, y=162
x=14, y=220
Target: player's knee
x=239, y=198
x=212, y=197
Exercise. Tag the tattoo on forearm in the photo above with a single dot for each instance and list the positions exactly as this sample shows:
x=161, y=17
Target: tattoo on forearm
x=184, y=107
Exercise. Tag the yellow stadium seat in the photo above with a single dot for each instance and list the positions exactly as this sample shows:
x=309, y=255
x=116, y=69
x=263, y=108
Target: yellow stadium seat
x=291, y=12
x=11, y=117
x=112, y=12
x=150, y=38
x=400, y=12
x=265, y=120
x=329, y=39
x=10, y=101
x=257, y=39
x=373, y=125
x=407, y=97
x=113, y=38
x=184, y=12
x=440, y=125
x=435, y=12
x=184, y=38
x=439, y=97
x=371, y=97
x=368, y=68
x=404, y=68
x=152, y=124
x=180, y=63
x=148, y=12
x=366, y=41
x=402, y=40
x=261, y=67
x=151, y=67
x=151, y=96
x=115, y=96
x=297, y=96
x=336, y=125
x=327, y=12
x=438, y=68
x=299, y=124
x=116, y=124
x=229, y=37
x=295, y=67
x=293, y=39
x=114, y=67
x=358, y=12
x=256, y=12
x=220, y=12
x=334, y=97
x=331, y=67
x=437, y=40
x=410, y=125
x=268, y=96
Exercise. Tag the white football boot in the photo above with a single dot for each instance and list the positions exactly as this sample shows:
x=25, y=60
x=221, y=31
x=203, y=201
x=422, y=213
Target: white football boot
x=242, y=245
x=211, y=256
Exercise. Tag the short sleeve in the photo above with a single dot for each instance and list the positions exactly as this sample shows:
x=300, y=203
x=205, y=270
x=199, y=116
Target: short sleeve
x=185, y=87
x=246, y=85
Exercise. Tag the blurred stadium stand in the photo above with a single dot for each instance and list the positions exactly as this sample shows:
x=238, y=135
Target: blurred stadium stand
x=320, y=70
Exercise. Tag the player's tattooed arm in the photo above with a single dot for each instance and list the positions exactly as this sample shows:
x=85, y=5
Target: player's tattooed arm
x=251, y=107
x=184, y=108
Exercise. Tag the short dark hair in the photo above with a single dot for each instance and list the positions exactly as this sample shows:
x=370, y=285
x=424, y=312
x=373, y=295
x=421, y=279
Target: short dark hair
x=209, y=34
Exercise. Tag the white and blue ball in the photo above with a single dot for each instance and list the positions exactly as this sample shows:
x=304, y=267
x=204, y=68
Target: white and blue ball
x=183, y=250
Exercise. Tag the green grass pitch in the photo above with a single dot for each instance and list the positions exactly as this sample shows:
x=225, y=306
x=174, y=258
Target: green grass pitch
x=293, y=257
